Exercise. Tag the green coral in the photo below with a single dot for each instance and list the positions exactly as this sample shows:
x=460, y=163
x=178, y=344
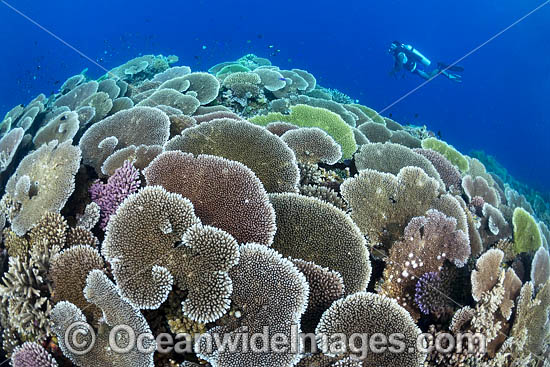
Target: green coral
x=307, y=116
x=526, y=232
x=370, y=113
x=448, y=152
x=233, y=68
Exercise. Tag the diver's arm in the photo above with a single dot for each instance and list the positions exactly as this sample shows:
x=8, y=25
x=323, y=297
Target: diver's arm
x=398, y=62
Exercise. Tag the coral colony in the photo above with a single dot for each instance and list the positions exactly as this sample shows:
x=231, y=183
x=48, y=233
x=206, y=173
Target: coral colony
x=249, y=199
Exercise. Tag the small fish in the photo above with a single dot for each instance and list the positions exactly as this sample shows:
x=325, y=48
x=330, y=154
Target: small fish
x=416, y=115
x=391, y=115
x=283, y=79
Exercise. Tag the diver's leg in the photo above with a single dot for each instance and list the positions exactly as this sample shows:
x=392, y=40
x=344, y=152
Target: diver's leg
x=423, y=74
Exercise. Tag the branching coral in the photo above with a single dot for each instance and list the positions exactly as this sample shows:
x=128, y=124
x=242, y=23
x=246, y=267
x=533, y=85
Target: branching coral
x=312, y=145
x=486, y=277
x=42, y=183
x=307, y=116
x=283, y=299
x=119, y=186
x=52, y=228
x=431, y=294
x=264, y=153
x=305, y=230
x=428, y=242
x=532, y=318
x=32, y=354
x=224, y=193
x=81, y=236
x=370, y=313
x=25, y=290
x=136, y=126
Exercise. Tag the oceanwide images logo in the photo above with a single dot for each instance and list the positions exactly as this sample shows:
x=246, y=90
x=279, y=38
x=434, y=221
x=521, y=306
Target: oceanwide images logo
x=80, y=339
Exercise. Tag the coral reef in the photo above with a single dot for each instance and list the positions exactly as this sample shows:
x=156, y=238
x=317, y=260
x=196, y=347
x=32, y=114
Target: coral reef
x=448, y=152
x=250, y=200
x=371, y=313
x=527, y=236
x=309, y=222
x=307, y=116
x=136, y=126
x=224, y=193
x=264, y=153
x=312, y=145
x=428, y=242
x=108, y=196
x=42, y=183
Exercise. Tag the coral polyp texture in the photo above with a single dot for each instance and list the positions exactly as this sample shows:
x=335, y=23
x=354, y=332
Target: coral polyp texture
x=248, y=205
x=141, y=237
x=370, y=313
x=264, y=153
x=224, y=193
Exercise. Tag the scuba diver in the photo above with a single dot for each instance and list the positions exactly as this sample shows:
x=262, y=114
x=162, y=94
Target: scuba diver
x=408, y=58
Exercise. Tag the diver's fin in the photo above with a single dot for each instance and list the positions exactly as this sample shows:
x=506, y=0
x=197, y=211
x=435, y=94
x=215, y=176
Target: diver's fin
x=454, y=68
x=454, y=77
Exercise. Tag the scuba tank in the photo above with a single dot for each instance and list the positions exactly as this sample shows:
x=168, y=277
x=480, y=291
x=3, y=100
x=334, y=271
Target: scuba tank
x=423, y=59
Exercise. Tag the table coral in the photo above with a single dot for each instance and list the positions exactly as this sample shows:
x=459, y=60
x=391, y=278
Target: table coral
x=42, y=183
x=224, y=193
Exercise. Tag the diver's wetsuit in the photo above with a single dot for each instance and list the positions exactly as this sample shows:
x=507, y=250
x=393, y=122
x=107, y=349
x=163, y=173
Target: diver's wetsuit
x=408, y=58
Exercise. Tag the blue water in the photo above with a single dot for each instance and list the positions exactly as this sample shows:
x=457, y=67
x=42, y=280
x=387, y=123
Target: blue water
x=501, y=107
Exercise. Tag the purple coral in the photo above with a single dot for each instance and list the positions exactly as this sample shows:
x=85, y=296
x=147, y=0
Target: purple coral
x=32, y=355
x=119, y=186
x=431, y=293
